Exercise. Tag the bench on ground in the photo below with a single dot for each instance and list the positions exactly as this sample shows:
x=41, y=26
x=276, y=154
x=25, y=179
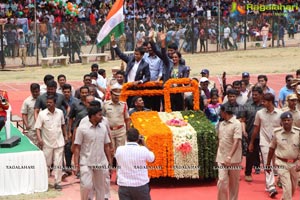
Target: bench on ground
x=63, y=60
x=85, y=57
x=19, y=122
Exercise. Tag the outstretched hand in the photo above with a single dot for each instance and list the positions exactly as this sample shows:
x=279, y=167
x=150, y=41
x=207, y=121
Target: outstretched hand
x=162, y=36
x=112, y=40
x=151, y=35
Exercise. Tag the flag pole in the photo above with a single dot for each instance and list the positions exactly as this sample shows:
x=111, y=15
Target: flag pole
x=134, y=40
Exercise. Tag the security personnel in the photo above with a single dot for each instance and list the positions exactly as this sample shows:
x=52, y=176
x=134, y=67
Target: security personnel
x=285, y=144
x=229, y=155
x=291, y=106
x=117, y=116
x=292, y=100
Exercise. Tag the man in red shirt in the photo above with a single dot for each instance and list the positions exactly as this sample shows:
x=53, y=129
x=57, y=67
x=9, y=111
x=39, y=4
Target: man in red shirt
x=4, y=105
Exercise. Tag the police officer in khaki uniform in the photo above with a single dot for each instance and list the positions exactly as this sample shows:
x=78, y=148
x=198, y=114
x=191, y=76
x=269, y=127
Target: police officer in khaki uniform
x=292, y=100
x=117, y=116
x=285, y=145
x=229, y=155
x=291, y=106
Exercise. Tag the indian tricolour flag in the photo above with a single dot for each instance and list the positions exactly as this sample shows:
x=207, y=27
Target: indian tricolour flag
x=114, y=24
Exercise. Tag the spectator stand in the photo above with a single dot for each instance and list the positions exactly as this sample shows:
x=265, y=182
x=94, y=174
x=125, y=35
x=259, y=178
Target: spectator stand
x=181, y=20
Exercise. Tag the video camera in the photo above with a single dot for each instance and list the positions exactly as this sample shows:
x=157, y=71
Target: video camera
x=3, y=100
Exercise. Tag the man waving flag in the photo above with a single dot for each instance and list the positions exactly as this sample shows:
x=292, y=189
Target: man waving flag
x=114, y=24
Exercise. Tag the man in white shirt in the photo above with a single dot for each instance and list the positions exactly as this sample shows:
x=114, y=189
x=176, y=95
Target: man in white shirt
x=240, y=98
x=43, y=87
x=51, y=136
x=61, y=80
x=27, y=111
x=264, y=33
x=132, y=167
x=227, y=36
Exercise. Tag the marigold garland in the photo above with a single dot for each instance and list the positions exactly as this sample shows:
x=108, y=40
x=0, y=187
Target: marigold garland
x=166, y=91
x=180, y=81
x=144, y=89
x=185, y=147
x=159, y=139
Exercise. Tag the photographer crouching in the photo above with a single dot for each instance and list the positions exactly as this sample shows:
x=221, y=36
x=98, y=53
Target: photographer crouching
x=4, y=105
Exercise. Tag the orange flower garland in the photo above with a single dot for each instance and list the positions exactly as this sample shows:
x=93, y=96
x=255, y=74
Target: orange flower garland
x=181, y=81
x=166, y=91
x=159, y=139
x=145, y=92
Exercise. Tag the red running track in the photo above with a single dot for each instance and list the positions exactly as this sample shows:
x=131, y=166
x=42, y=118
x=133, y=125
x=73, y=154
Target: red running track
x=165, y=189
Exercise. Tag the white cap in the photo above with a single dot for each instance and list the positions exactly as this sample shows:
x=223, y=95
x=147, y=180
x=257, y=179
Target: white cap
x=116, y=89
x=204, y=79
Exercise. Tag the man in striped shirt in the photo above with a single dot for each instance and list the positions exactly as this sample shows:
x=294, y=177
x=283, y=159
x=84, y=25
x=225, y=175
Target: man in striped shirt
x=132, y=167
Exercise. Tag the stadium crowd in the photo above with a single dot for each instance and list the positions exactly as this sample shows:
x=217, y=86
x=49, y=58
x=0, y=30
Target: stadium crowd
x=64, y=27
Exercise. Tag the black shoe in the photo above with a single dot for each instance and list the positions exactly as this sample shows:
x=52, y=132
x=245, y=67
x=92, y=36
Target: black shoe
x=273, y=193
x=257, y=171
x=57, y=186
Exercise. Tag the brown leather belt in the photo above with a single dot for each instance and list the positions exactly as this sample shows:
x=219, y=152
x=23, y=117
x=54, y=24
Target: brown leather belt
x=116, y=127
x=287, y=160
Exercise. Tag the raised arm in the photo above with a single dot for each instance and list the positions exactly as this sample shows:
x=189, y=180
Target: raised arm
x=153, y=45
x=122, y=56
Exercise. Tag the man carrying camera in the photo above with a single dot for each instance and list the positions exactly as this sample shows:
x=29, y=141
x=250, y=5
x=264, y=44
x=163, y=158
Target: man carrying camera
x=4, y=105
x=132, y=171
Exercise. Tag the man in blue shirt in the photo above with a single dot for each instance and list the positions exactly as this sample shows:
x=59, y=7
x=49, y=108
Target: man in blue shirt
x=156, y=70
x=286, y=90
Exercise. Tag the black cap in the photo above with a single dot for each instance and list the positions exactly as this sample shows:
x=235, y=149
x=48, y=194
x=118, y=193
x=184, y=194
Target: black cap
x=245, y=74
x=286, y=114
x=204, y=71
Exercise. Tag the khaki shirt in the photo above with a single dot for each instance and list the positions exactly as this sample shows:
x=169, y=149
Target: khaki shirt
x=298, y=105
x=267, y=122
x=296, y=115
x=92, y=140
x=286, y=144
x=50, y=125
x=228, y=131
x=28, y=109
x=115, y=113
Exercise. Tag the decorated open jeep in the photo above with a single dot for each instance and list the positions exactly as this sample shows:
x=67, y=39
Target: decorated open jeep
x=184, y=143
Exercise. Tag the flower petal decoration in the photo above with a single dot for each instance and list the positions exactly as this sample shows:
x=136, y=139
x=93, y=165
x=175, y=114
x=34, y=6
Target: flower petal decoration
x=185, y=147
x=159, y=140
x=182, y=152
